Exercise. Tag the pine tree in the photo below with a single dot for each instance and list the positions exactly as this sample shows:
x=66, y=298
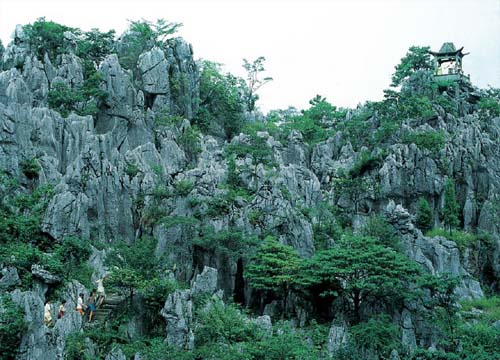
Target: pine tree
x=450, y=209
x=274, y=268
x=425, y=217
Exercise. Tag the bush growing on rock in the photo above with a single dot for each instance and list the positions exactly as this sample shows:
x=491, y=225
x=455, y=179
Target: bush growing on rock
x=47, y=37
x=31, y=168
x=12, y=325
x=424, y=218
x=450, y=208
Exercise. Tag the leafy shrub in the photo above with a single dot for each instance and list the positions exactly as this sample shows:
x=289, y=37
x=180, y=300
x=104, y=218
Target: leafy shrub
x=21, y=212
x=378, y=335
x=154, y=292
x=286, y=343
x=31, y=168
x=232, y=243
x=12, y=325
x=224, y=324
x=366, y=162
x=489, y=107
x=489, y=305
x=183, y=187
x=155, y=348
x=379, y=229
x=63, y=99
x=142, y=36
x=94, y=45
x=461, y=238
x=132, y=170
x=189, y=140
x=222, y=104
x=451, y=208
x=431, y=140
x=424, y=218
x=85, y=100
x=47, y=37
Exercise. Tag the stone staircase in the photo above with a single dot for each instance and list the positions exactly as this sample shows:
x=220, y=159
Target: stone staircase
x=111, y=303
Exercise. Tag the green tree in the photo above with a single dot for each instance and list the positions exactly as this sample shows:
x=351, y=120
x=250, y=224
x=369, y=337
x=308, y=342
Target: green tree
x=254, y=81
x=424, y=218
x=384, y=233
x=451, y=208
x=94, y=45
x=416, y=59
x=47, y=37
x=222, y=104
x=274, y=268
x=356, y=189
x=142, y=36
x=362, y=271
x=321, y=111
x=133, y=264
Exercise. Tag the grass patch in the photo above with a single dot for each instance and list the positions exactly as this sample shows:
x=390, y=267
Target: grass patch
x=489, y=305
x=461, y=238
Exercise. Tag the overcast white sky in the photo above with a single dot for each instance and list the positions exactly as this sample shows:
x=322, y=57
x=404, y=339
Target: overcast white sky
x=344, y=50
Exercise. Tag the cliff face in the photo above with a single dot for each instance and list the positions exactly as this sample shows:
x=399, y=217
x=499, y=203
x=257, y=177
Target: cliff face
x=109, y=170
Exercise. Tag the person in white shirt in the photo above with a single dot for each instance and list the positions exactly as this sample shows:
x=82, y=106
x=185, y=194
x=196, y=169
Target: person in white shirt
x=47, y=315
x=101, y=294
x=80, y=305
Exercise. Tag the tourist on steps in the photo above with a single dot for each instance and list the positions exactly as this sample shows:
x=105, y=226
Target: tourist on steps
x=47, y=315
x=80, y=305
x=91, y=305
x=62, y=309
x=101, y=294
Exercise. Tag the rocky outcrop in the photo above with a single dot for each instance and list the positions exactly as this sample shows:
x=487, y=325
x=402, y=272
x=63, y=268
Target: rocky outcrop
x=338, y=338
x=40, y=341
x=178, y=309
x=9, y=279
x=437, y=255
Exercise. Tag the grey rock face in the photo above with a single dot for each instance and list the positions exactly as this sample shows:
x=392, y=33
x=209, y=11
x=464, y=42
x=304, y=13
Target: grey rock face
x=408, y=331
x=154, y=70
x=264, y=323
x=394, y=355
x=184, y=78
x=205, y=283
x=337, y=338
x=178, y=309
x=9, y=278
x=116, y=354
x=178, y=315
x=44, y=275
x=437, y=255
x=40, y=341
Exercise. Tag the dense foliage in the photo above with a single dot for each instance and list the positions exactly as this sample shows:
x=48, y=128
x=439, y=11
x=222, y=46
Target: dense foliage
x=12, y=325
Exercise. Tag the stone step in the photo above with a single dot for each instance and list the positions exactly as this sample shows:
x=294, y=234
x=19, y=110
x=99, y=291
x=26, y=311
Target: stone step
x=111, y=302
